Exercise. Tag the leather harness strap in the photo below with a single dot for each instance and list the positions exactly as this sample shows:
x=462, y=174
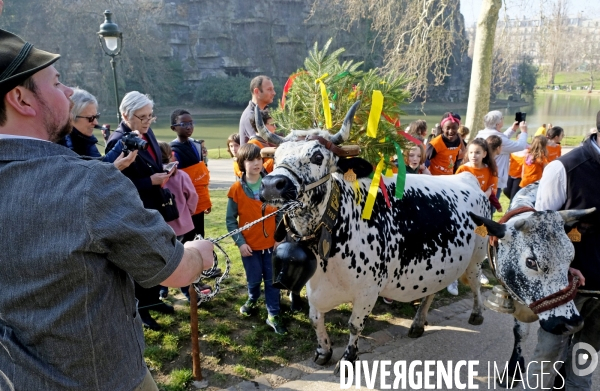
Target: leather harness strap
x=332, y=147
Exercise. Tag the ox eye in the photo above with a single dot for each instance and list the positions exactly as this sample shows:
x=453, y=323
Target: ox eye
x=531, y=264
x=317, y=158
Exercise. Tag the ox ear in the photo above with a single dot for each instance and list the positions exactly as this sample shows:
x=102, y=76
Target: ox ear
x=360, y=166
x=494, y=229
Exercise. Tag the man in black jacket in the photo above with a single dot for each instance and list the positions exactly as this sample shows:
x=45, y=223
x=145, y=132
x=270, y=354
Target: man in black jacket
x=573, y=182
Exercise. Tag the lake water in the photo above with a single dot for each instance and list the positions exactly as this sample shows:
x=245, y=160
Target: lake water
x=575, y=113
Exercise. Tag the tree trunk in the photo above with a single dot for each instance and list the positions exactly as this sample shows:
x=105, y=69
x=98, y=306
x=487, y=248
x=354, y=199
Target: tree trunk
x=481, y=74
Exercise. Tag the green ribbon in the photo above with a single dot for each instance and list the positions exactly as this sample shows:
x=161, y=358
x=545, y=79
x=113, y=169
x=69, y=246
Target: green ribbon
x=401, y=177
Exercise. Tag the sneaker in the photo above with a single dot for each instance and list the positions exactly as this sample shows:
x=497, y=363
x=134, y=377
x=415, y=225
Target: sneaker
x=277, y=324
x=453, y=288
x=483, y=279
x=248, y=308
x=387, y=301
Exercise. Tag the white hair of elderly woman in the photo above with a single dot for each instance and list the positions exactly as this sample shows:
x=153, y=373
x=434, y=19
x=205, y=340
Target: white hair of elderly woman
x=492, y=119
x=133, y=101
x=81, y=99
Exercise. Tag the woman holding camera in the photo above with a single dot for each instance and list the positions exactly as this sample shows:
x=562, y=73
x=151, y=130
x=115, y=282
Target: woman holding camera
x=84, y=117
x=146, y=173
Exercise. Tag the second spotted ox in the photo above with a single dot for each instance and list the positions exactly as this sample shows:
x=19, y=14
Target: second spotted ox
x=411, y=249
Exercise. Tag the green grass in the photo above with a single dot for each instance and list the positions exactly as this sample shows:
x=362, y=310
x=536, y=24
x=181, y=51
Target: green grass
x=574, y=79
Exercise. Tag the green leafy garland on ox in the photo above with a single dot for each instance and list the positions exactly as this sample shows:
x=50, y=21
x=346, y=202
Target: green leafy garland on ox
x=304, y=95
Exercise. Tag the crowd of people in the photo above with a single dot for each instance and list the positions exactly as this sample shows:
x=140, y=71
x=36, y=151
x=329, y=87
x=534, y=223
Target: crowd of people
x=143, y=205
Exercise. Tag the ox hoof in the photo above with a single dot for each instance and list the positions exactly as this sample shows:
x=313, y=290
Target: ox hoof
x=336, y=370
x=476, y=319
x=415, y=331
x=322, y=359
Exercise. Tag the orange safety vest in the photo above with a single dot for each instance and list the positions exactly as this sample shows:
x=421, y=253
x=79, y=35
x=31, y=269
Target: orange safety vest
x=515, y=167
x=445, y=158
x=200, y=177
x=249, y=210
x=532, y=172
x=554, y=152
x=483, y=175
x=267, y=162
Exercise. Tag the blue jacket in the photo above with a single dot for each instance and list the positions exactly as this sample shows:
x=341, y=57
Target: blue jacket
x=86, y=146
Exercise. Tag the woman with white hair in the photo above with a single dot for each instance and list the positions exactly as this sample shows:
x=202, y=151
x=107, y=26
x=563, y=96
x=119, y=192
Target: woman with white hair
x=147, y=174
x=494, y=121
x=84, y=117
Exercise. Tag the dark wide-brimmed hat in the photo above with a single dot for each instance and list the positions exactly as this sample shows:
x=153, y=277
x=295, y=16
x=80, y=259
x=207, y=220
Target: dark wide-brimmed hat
x=19, y=60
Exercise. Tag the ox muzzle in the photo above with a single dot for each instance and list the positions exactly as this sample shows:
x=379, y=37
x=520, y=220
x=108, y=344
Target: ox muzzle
x=277, y=188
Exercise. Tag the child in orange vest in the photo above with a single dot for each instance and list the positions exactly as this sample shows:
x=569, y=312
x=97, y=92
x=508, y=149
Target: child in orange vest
x=190, y=155
x=446, y=149
x=244, y=206
x=494, y=148
x=259, y=141
x=555, y=135
x=481, y=162
x=535, y=161
x=233, y=144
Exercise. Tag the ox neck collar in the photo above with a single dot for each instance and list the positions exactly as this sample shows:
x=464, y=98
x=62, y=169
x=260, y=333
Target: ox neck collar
x=325, y=226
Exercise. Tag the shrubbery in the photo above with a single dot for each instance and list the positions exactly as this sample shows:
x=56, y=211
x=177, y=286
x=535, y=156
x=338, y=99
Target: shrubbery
x=216, y=91
x=232, y=91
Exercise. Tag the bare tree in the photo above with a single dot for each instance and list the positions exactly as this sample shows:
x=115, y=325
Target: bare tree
x=419, y=36
x=481, y=74
x=553, y=36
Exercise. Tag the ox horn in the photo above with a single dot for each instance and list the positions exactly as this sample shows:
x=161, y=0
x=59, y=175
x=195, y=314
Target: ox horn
x=573, y=215
x=522, y=225
x=263, y=131
x=344, y=132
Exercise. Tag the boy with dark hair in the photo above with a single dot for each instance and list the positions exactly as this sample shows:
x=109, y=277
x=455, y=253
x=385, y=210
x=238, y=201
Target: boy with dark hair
x=255, y=244
x=190, y=156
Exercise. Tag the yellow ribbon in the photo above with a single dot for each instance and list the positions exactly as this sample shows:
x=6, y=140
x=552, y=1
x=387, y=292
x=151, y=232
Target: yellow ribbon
x=357, y=192
x=373, y=189
x=325, y=98
x=375, y=114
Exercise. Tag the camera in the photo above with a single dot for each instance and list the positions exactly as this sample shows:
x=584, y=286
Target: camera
x=520, y=117
x=131, y=142
x=105, y=129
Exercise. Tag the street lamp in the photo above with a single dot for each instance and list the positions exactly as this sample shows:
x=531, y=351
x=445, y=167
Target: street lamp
x=111, y=40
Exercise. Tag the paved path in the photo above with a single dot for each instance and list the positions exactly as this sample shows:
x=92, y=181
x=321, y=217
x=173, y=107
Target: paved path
x=221, y=174
x=448, y=337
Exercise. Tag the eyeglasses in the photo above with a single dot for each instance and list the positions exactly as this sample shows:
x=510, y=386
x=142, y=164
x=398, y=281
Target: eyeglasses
x=184, y=124
x=145, y=119
x=90, y=118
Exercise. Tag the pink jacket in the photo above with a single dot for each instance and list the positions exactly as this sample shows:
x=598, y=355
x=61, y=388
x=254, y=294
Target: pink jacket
x=186, y=198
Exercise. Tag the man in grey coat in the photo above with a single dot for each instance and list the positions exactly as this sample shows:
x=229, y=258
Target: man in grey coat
x=74, y=235
x=263, y=94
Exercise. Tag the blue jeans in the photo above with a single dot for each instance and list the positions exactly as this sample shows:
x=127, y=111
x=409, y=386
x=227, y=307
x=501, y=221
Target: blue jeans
x=554, y=348
x=258, y=268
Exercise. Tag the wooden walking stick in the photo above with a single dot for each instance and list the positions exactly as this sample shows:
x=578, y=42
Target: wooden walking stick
x=196, y=371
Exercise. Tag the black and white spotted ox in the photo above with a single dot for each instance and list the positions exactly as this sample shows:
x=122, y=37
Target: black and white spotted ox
x=412, y=249
x=533, y=255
